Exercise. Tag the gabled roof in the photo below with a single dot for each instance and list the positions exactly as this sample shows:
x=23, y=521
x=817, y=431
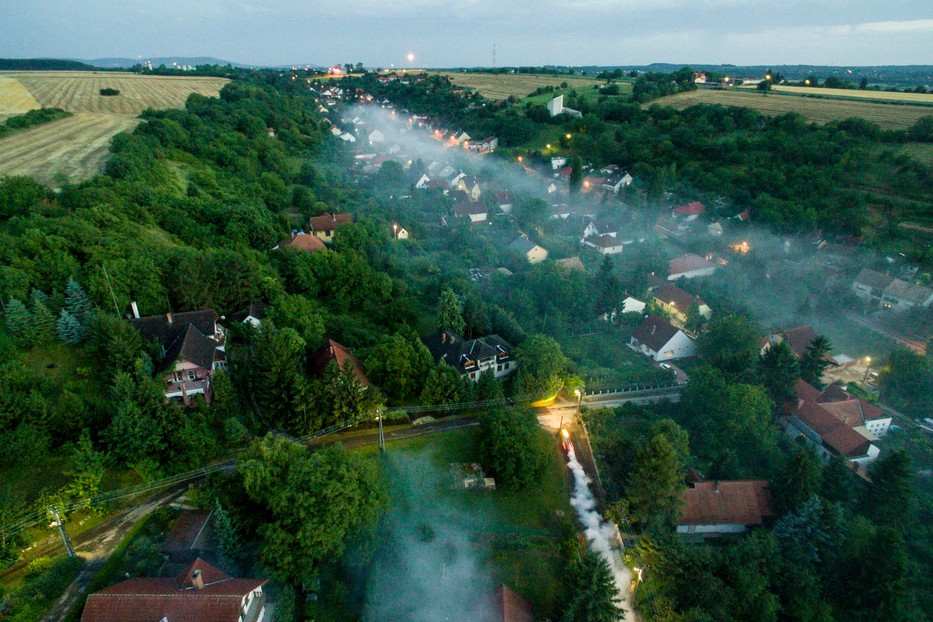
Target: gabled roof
x=835, y=434
x=604, y=241
x=468, y=209
x=510, y=607
x=504, y=197
x=303, y=242
x=655, y=332
x=329, y=222
x=689, y=263
x=166, y=328
x=522, y=245
x=192, y=346
x=740, y=502
x=694, y=208
x=669, y=293
x=874, y=279
x=174, y=599
x=799, y=339
x=333, y=351
x=255, y=309
x=855, y=412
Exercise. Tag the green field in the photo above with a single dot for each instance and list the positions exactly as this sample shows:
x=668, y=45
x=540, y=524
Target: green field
x=475, y=540
x=504, y=85
x=817, y=110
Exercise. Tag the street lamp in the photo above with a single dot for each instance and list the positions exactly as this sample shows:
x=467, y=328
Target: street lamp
x=394, y=230
x=867, y=369
x=579, y=395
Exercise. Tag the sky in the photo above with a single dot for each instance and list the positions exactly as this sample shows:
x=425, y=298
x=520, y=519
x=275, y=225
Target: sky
x=454, y=33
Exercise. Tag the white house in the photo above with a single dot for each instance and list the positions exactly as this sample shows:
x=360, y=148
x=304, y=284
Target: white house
x=399, y=232
x=605, y=244
x=348, y=137
x=531, y=251
x=661, y=340
x=689, y=266
x=376, y=137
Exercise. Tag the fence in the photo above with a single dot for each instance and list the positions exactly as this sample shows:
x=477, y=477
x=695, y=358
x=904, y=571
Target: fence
x=638, y=388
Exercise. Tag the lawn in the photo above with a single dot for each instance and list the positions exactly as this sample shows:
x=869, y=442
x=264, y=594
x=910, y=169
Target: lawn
x=606, y=362
x=444, y=549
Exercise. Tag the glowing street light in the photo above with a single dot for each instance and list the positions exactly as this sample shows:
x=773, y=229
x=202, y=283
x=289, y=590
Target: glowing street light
x=411, y=57
x=569, y=136
x=548, y=146
x=867, y=369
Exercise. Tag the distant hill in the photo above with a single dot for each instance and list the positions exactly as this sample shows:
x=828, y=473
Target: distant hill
x=194, y=61
x=42, y=64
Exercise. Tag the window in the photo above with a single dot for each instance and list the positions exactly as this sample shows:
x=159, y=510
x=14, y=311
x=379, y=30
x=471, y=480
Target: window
x=499, y=367
x=191, y=375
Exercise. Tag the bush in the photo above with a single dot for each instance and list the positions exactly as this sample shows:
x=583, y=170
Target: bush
x=512, y=447
x=108, y=92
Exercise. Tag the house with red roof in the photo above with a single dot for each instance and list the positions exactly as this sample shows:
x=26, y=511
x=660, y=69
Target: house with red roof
x=333, y=351
x=836, y=428
x=301, y=241
x=326, y=224
x=717, y=508
x=510, y=607
x=798, y=338
x=200, y=593
x=688, y=212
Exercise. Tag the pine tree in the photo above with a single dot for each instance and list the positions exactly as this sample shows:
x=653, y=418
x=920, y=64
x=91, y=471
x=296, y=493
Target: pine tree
x=68, y=328
x=43, y=320
x=814, y=360
x=86, y=468
x=18, y=319
x=779, y=371
x=450, y=313
x=80, y=307
x=227, y=537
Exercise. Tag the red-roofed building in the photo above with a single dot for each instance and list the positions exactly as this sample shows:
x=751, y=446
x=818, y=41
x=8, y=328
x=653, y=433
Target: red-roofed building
x=798, y=338
x=677, y=302
x=835, y=428
x=200, y=593
x=333, y=351
x=724, y=507
x=302, y=242
x=689, y=211
x=323, y=226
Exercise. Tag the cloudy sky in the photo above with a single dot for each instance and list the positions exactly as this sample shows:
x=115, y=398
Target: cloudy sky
x=447, y=33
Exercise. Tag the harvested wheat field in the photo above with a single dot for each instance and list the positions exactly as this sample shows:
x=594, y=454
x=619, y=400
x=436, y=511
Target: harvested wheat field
x=80, y=91
x=76, y=148
x=883, y=96
x=502, y=85
x=888, y=116
x=73, y=148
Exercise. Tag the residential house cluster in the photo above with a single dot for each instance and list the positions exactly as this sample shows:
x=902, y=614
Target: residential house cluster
x=836, y=423
x=890, y=293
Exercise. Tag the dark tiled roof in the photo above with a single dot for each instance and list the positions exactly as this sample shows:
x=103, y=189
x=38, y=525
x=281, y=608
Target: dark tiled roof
x=192, y=346
x=874, y=279
x=655, y=332
x=522, y=245
x=255, y=309
x=669, y=293
x=464, y=355
x=689, y=263
x=166, y=328
x=177, y=600
x=741, y=502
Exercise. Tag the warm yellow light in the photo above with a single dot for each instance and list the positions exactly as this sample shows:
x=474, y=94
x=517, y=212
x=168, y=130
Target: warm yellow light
x=569, y=136
x=564, y=433
x=576, y=392
x=548, y=145
x=519, y=158
x=868, y=360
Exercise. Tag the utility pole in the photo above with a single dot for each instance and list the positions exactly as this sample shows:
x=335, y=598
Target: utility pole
x=493, y=55
x=116, y=307
x=382, y=438
x=61, y=529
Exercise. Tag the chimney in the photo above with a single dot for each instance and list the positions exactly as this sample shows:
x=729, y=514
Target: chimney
x=168, y=317
x=135, y=309
x=443, y=336
x=654, y=327
x=197, y=580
